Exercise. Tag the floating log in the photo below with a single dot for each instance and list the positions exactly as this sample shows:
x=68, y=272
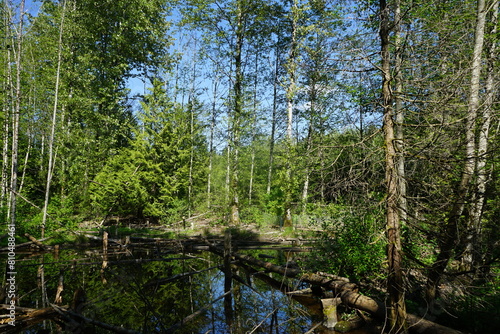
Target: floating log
x=348, y=293
x=63, y=316
x=36, y=242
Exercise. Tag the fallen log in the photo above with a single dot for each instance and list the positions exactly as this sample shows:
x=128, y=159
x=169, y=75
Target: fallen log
x=349, y=295
x=26, y=317
x=5, y=249
x=336, y=285
x=35, y=241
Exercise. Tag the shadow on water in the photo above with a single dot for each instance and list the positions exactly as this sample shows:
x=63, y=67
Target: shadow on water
x=159, y=291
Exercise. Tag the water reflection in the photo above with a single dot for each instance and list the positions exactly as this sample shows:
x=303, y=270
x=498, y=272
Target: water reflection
x=156, y=291
x=152, y=292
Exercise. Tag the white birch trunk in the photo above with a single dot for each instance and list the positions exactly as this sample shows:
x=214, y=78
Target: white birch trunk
x=484, y=118
x=53, y=126
x=15, y=120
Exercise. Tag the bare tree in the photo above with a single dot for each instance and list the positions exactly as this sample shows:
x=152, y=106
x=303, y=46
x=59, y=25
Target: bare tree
x=451, y=225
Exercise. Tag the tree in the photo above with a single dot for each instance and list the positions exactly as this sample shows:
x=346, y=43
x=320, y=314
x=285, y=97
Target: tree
x=395, y=285
x=295, y=15
x=53, y=121
x=109, y=42
x=451, y=225
x=234, y=23
x=472, y=255
x=16, y=117
x=156, y=176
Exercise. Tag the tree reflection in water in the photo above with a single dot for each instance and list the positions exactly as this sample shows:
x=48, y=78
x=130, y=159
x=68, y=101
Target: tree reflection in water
x=154, y=292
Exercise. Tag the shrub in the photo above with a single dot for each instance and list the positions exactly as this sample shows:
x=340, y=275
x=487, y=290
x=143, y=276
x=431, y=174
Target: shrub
x=351, y=245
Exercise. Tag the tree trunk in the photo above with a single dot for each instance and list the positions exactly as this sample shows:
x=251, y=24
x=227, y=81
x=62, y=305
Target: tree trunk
x=399, y=134
x=236, y=118
x=254, y=128
x=26, y=159
x=290, y=96
x=472, y=255
x=15, y=120
x=451, y=225
x=395, y=286
x=211, y=141
x=305, y=187
x=53, y=126
x=192, y=107
x=7, y=109
x=273, y=121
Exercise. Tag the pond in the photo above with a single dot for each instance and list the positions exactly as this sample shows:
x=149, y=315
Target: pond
x=156, y=289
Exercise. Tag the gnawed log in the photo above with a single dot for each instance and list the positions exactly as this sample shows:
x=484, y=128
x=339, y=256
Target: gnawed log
x=349, y=295
x=60, y=288
x=330, y=311
x=336, y=285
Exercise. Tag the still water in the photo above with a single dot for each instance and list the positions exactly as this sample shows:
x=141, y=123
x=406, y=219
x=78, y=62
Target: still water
x=159, y=291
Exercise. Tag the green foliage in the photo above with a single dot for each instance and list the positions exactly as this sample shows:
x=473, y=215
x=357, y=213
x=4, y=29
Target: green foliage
x=164, y=161
x=352, y=244
x=477, y=312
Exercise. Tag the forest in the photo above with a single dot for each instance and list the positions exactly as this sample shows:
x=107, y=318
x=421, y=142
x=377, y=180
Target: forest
x=368, y=126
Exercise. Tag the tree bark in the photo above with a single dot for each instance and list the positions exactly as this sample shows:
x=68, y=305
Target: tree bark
x=451, y=225
x=290, y=96
x=273, y=121
x=53, y=124
x=348, y=293
x=395, y=286
x=236, y=117
x=471, y=255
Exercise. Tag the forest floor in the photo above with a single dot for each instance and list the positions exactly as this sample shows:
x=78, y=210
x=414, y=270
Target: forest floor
x=200, y=226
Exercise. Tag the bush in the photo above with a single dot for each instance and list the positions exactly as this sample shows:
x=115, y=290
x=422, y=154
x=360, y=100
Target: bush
x=351, y=245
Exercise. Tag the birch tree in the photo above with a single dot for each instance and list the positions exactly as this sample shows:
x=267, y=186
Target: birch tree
x=472, y=255
x=16, y=116
x=50, y=166
x=453, y=219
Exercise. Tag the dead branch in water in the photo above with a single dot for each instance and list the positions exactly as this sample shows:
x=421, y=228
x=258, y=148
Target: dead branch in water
x=347, y=291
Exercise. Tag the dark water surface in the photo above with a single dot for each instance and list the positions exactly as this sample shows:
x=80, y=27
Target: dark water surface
x=154, y=290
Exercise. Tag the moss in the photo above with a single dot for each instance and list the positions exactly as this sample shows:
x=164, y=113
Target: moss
x=344, y=326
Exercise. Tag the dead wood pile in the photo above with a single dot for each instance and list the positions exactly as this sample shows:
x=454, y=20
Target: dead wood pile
x=348, y=292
